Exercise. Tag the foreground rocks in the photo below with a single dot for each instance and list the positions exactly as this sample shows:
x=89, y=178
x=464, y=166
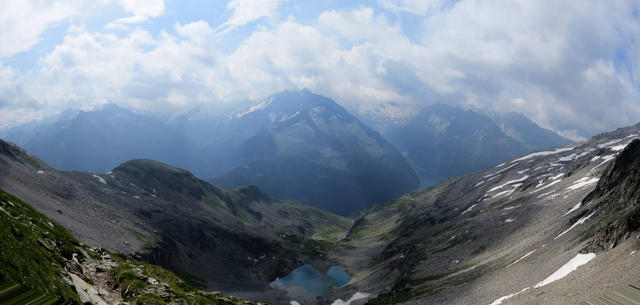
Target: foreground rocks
x=101, y=278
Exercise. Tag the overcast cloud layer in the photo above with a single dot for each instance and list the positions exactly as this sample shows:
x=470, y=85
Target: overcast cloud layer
x=572, y=66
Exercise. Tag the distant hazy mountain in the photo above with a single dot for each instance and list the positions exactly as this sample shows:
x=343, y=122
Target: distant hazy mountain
x=528, y=133
x=444, y=142
x=299, y=145
x=21, y=134
x=99, y=140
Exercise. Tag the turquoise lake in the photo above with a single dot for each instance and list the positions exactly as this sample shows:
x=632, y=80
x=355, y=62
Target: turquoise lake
x=311, y=280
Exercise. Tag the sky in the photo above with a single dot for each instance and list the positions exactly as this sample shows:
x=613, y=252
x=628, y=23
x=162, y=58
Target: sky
x=572, y=66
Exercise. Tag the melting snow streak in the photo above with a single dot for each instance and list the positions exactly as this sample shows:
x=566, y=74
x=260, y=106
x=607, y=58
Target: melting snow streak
x=572, y=265
x=579, y=222
x=504, y=298
x=543, y=153
x=582, y=183
x=534, y=250
x=100, y=179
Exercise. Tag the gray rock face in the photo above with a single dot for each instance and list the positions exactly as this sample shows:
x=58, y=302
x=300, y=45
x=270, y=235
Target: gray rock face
x=617, y=196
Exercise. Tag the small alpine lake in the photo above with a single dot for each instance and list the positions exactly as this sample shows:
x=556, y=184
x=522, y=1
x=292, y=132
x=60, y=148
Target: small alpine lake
x=312, y=281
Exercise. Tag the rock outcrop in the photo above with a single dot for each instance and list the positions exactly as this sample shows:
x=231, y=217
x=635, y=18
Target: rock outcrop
x=617, y=199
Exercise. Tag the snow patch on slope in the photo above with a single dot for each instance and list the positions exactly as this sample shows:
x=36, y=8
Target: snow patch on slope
x=500, y=171
x=544, y=187
x=582, y=183
x=469, y=209
x=521, y=258
x=569, y=267
x=579, y=222
x=577, y=206
x=543, y=153
x=356, y=296
x=100, y=179
x=506, y=297
x=508, y=183
x=606, y=158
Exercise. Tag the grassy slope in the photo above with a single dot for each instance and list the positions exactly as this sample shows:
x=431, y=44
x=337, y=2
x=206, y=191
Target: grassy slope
x=34, y=251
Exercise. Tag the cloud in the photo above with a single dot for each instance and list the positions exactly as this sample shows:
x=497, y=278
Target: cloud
x=572, y=66
x=123, y=23
x=557, y=59
x=16, y=106
x=162, y=72
x=150, y=8
x=416, y=7
x=558, y=56
x=23, y=22
x=247, y=11
x=357, y=25
x=142, y=11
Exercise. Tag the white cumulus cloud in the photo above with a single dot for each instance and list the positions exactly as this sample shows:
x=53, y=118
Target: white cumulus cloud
x=23, y=22
x=558, y=62
x=247, y=11
x=141, y=10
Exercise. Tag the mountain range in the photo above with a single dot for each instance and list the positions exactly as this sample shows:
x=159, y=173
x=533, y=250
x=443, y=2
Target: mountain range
x=294, y=145
x=443, y=142
x=557, y=226
x=306, y=147
x=98, y=140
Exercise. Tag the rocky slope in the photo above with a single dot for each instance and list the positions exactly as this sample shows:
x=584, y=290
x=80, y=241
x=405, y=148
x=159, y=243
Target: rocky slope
x=617, y=198
x=529, y=230
x=236, y=241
